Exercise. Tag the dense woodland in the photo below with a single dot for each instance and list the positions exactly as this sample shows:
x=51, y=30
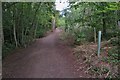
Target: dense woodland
x=84, y=20
x=23, y=22
x=90, y=16
x=81, y=21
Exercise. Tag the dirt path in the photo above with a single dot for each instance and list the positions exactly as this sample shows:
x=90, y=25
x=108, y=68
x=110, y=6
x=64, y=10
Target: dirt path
x=46, y=58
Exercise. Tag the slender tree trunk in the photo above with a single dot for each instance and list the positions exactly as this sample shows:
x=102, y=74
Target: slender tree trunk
x=53, y=24
x=104, y=25
x=14, y=30
x=36, y=26
x=14, y=27
x=83, y=22
x=104, y=20
x=17, y=25
x=35, y=15
x=33, y=22
x=118, y=14
x=22, y=32
x=22, y=37
x=35, y=30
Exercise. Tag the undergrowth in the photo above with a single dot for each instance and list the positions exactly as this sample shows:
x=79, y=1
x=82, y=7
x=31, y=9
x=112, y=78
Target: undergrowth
x=6, y=49
x=105, y=66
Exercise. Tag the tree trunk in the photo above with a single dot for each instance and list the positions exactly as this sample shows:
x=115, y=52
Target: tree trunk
x=14, y=30
x=35, y=30
x=33, y=22
x=36, y=26
x=104, y=25
x=22, y=37
x=22, y=32
x=35, y=15
x=14, y=27
x=17, y=25
x=53, y=24
x=118, y=18
x=104, y=20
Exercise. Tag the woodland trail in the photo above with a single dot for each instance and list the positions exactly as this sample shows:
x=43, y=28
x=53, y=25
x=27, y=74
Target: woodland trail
x=48, y=57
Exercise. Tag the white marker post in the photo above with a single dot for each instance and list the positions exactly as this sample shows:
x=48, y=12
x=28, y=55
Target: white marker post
x=99, y=42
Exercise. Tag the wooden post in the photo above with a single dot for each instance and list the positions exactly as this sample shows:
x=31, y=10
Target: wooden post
x=94, y=34
x=99, y=42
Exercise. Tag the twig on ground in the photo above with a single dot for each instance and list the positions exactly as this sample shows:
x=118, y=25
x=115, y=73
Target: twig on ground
x=88, y=69
x=107, y=74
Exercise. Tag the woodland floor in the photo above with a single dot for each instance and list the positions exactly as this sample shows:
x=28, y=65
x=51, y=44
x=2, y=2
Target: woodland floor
x=48, y=57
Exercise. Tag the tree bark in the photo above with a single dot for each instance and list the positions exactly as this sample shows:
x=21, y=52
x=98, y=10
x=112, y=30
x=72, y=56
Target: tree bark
x=14, y=27
x=104, y=20
x=14, y=30
x=35, y=30
x=53, y=24
x=104, y=25
x=33, y=22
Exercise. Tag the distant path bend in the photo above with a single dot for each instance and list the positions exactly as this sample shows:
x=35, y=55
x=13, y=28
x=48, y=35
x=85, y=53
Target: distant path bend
x=46, y=58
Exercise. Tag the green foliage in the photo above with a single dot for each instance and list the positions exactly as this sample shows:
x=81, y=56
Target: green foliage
x=79, y=37
x=61, y=22
x=7, y=47
x=23, y=22
x=112, y=56
x=83, y=15
x=99, y=70
x=40, y=33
